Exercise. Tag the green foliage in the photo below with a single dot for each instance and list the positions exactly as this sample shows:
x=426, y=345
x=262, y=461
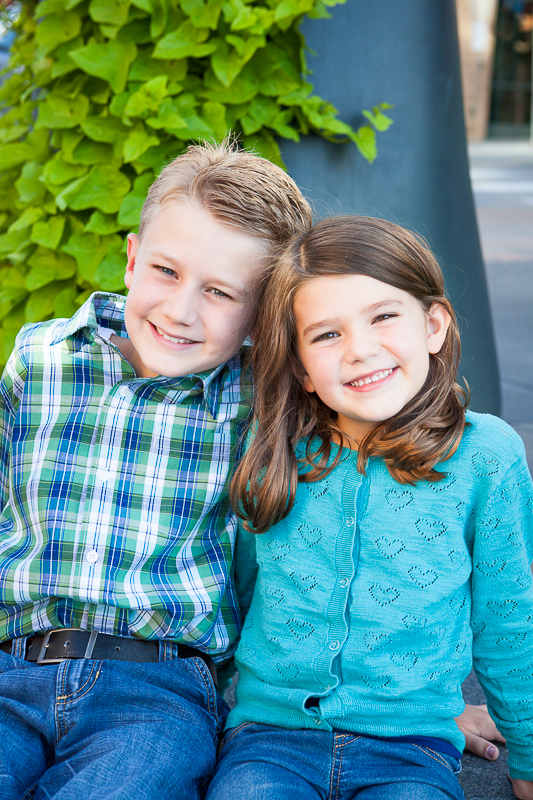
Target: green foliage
x=101, y=94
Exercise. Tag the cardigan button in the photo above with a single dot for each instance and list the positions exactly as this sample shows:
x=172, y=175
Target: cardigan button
x=349, y=521
x=334, y=645
x=343, y=583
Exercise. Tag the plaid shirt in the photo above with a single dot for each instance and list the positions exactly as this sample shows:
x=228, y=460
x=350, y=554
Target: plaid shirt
x=114, y=489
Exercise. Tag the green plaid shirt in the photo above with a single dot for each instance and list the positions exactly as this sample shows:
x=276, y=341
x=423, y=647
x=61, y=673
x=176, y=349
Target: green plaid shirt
x=114, y=489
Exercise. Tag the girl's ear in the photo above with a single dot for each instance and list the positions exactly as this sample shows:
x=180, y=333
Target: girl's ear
x=438, y=322
x=302, y=376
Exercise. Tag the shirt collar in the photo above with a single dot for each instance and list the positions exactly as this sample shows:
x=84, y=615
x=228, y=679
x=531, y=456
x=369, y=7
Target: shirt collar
x=107, y=310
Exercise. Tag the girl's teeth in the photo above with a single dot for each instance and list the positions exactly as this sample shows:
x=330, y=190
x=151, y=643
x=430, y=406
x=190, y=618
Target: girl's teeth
x=377, y=376
x=172, y=338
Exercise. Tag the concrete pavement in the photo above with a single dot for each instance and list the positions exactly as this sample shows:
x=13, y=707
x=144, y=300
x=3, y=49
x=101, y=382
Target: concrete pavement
x=502, y=179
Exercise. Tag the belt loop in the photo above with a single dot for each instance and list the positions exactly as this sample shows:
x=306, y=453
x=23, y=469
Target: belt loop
x=165, y=650
x=18, y=647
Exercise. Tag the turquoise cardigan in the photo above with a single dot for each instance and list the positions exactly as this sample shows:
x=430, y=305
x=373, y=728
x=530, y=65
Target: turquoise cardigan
x=375, y=596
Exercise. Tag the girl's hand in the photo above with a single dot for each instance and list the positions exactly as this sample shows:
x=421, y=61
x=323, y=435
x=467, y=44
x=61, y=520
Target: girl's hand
x=522, y=789
x=477, y=728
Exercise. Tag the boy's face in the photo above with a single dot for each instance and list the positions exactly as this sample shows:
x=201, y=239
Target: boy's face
x=192, y=292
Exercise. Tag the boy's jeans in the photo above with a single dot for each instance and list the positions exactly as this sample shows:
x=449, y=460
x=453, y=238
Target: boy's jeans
x=260, y=762
x=96, y=730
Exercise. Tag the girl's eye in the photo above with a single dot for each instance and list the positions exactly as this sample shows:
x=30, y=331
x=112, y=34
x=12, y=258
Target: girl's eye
x=325, y=336
x=383, y=317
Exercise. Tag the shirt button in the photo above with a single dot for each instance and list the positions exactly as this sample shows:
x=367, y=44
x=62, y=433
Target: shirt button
x=124, y=390
x=334, y=645
x=343, y=583
x=92, y=556
x=103, y=475
x=349, y=521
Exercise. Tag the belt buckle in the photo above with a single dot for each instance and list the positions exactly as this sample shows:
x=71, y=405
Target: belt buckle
x=41, y=658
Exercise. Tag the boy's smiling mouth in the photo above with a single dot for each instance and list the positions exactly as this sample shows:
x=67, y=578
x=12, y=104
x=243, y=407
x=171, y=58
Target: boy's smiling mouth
x=173, y=339
x=372, y=378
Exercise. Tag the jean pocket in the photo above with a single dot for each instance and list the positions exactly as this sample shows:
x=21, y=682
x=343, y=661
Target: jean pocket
x=451, y=763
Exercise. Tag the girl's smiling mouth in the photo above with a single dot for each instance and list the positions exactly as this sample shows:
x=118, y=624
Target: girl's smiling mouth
x=370, y=381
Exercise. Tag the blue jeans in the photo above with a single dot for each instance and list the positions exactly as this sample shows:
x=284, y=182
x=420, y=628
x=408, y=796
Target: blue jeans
x=260, y=762
x=95, y=730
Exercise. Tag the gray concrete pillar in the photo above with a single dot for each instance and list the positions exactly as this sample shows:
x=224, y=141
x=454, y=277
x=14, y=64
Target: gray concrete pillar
x=404, y=52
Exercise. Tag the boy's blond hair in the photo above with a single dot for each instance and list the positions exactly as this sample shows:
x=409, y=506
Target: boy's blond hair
x=238, y=188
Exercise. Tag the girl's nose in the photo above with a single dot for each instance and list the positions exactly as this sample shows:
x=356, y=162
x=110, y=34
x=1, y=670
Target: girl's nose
x=360, y=346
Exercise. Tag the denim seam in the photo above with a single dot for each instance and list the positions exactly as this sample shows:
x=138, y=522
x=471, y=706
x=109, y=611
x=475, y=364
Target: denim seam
x=233, y=732
x=435, y=756
x=209, y=686
x=63, y=699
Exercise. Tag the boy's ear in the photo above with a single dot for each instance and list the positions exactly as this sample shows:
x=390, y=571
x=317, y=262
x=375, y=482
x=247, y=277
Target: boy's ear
x=133, y=244
x=438, y=322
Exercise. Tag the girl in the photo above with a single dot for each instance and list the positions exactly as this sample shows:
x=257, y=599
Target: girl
x=397, y=533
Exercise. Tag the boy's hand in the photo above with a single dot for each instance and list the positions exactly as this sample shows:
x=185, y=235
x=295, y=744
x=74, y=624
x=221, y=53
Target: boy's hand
x=522, y=789
x=477, y=728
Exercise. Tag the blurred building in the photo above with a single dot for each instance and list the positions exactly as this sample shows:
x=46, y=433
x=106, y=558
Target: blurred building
x=496, y=38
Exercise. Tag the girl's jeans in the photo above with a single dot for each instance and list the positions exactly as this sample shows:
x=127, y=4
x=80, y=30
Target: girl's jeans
x=260, y=762
x=96, y=730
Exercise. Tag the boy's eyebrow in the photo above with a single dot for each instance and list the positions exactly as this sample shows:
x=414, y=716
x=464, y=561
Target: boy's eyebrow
x=243, y=293
x=332, y=321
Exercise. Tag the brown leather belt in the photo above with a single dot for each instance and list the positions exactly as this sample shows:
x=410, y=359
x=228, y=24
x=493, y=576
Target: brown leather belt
x=59, y=644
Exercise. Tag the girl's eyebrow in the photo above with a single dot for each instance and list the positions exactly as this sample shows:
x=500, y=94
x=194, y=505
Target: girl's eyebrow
x=332, y=321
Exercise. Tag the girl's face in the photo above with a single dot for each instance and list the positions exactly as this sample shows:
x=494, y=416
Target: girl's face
x=364, y=347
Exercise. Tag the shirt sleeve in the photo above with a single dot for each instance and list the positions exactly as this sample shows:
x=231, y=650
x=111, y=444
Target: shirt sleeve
x=502, y=611
x=11, y=390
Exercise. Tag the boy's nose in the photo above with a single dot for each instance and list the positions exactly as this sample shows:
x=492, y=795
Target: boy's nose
x=180, y=307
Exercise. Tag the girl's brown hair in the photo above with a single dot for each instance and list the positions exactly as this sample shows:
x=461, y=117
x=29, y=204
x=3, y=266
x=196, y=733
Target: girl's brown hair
x=426, y=431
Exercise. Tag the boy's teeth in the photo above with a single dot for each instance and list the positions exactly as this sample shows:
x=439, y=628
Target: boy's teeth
x=172, y=338
x=377, y=376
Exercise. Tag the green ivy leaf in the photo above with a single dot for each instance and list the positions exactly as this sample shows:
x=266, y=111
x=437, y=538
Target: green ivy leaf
x=114, y=12
x=147, y=98
x=110, y=273
x=65, y=304
x=26, y=219
x=61, y=111
x=103, y=188
x=88, y=250
x=156, y=157
x=13, y=154
x=203, y=14
x=379, y=120
x=48, y=233
x=107, y=129
x=63, y=64
x=13, y=242
x=56, y=29
x=185, y=41
x=103, y=224
x=144, y=68
x=262, y=112
x=168, y=117
x=30, y=189
x=243, y=88
x=137, y=143
x=130, y=209
x=48, y=266
x=365, y=139
x=110, y=61
x=89, y=152
x=9, y=299
x=41, y=302
x=48, y=7
x=57, y=172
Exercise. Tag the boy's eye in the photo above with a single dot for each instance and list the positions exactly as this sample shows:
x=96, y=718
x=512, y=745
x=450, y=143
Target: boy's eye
x=218, y=292
x=166, y=271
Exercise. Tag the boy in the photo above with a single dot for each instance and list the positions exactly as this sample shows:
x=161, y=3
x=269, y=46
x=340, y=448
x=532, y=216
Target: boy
x=118, y=431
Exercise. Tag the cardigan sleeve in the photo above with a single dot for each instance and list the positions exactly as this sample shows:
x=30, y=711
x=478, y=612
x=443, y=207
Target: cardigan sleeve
x=245, y=569
x=502, y=611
